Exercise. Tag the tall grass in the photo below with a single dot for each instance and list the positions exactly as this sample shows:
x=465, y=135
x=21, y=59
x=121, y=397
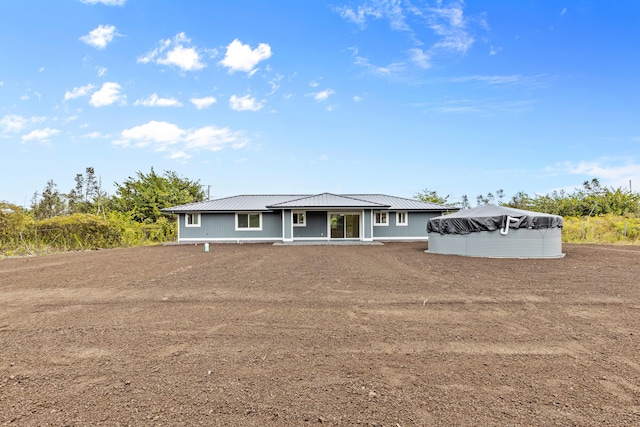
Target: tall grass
x=21, y=234
x=611, y=229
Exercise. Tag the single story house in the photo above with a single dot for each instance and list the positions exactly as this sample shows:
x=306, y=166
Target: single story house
x=304, y=217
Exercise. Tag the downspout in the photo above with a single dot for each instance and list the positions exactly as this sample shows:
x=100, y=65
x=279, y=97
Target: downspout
x=178, y=221
x=504, y=231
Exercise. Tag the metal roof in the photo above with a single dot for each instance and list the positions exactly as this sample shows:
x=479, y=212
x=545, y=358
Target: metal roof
x=265, y=202
x=401, y=203
x=235, y=203
x=328, y=200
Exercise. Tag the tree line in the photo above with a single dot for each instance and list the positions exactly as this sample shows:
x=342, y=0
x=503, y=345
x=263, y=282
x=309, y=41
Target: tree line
x=141, y=197
x=87, y=217
x=592, y=199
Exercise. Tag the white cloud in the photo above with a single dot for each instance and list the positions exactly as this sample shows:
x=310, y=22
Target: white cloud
x=275, y=84
x=93, y=135
x=357, y=98
x=185, y=58
x=101, y=36
x=564, y=10
x=168, y=137
x=240, y=57
x=323, y=95
x=70, y=119
x=214, y=139
x=202, y=103
x=609, y=171
x=244, y=103
x=108, y=94
x=106, y=2
x=451, y=25
x=486, y=107
x=40, y=135
x=180, y=156
x=314, y=84
x=359, y=15
x=160, y=134
x=492, y=80
x=155, y=101
x=12, y=123
x=175, y=52
x=101, y=71
x=446, y=20
x=78, y=92
x=420, y=58
x=388, y=70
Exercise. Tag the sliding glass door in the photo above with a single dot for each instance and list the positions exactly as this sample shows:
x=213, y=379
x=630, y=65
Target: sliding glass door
x=344, y=225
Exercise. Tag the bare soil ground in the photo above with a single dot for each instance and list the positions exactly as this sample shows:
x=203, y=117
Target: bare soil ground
x=255, y=334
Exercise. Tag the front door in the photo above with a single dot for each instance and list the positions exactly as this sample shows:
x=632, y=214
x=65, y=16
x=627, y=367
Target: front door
x=344, y=225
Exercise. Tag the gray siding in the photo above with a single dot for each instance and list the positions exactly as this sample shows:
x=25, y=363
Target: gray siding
x=221, y=226
x=518, y=243
x=316, y=226
x=416, y=228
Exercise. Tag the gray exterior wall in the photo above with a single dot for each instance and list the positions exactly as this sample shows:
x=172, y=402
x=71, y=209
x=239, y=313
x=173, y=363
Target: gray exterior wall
x=316, y=226
x=518, y=243
x=221, y=226
x=416, y=228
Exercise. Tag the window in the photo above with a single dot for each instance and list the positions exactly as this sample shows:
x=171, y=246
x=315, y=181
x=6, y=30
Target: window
x=192, y=220
x=402, y=218
x=249, y=221
x=299, y=218
x=380, y=218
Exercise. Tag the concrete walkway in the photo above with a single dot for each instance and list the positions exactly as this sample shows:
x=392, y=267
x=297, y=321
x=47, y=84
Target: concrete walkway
x=327, y=243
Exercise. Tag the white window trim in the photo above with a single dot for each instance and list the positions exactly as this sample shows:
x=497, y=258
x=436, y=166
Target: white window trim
x=196, y=215
x=380, y=224
x=248, y=228
x=406, y=219
x=303, y=223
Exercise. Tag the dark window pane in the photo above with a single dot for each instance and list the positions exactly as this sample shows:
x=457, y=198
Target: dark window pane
x=254, y=220
x=243, y=221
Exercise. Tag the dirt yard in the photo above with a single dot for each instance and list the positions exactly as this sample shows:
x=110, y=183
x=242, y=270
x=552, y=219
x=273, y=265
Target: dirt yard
x=379, y=335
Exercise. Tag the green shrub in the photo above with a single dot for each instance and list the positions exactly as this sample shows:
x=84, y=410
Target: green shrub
x=134, y=233
x=77, y=232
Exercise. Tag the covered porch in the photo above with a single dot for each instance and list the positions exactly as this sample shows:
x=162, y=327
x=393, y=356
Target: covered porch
x=327, y=217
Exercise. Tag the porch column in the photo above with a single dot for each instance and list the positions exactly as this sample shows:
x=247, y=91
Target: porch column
x=287, y=226
x=367, y=228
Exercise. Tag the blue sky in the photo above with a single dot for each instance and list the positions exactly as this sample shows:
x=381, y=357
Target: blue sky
x=297, y=96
